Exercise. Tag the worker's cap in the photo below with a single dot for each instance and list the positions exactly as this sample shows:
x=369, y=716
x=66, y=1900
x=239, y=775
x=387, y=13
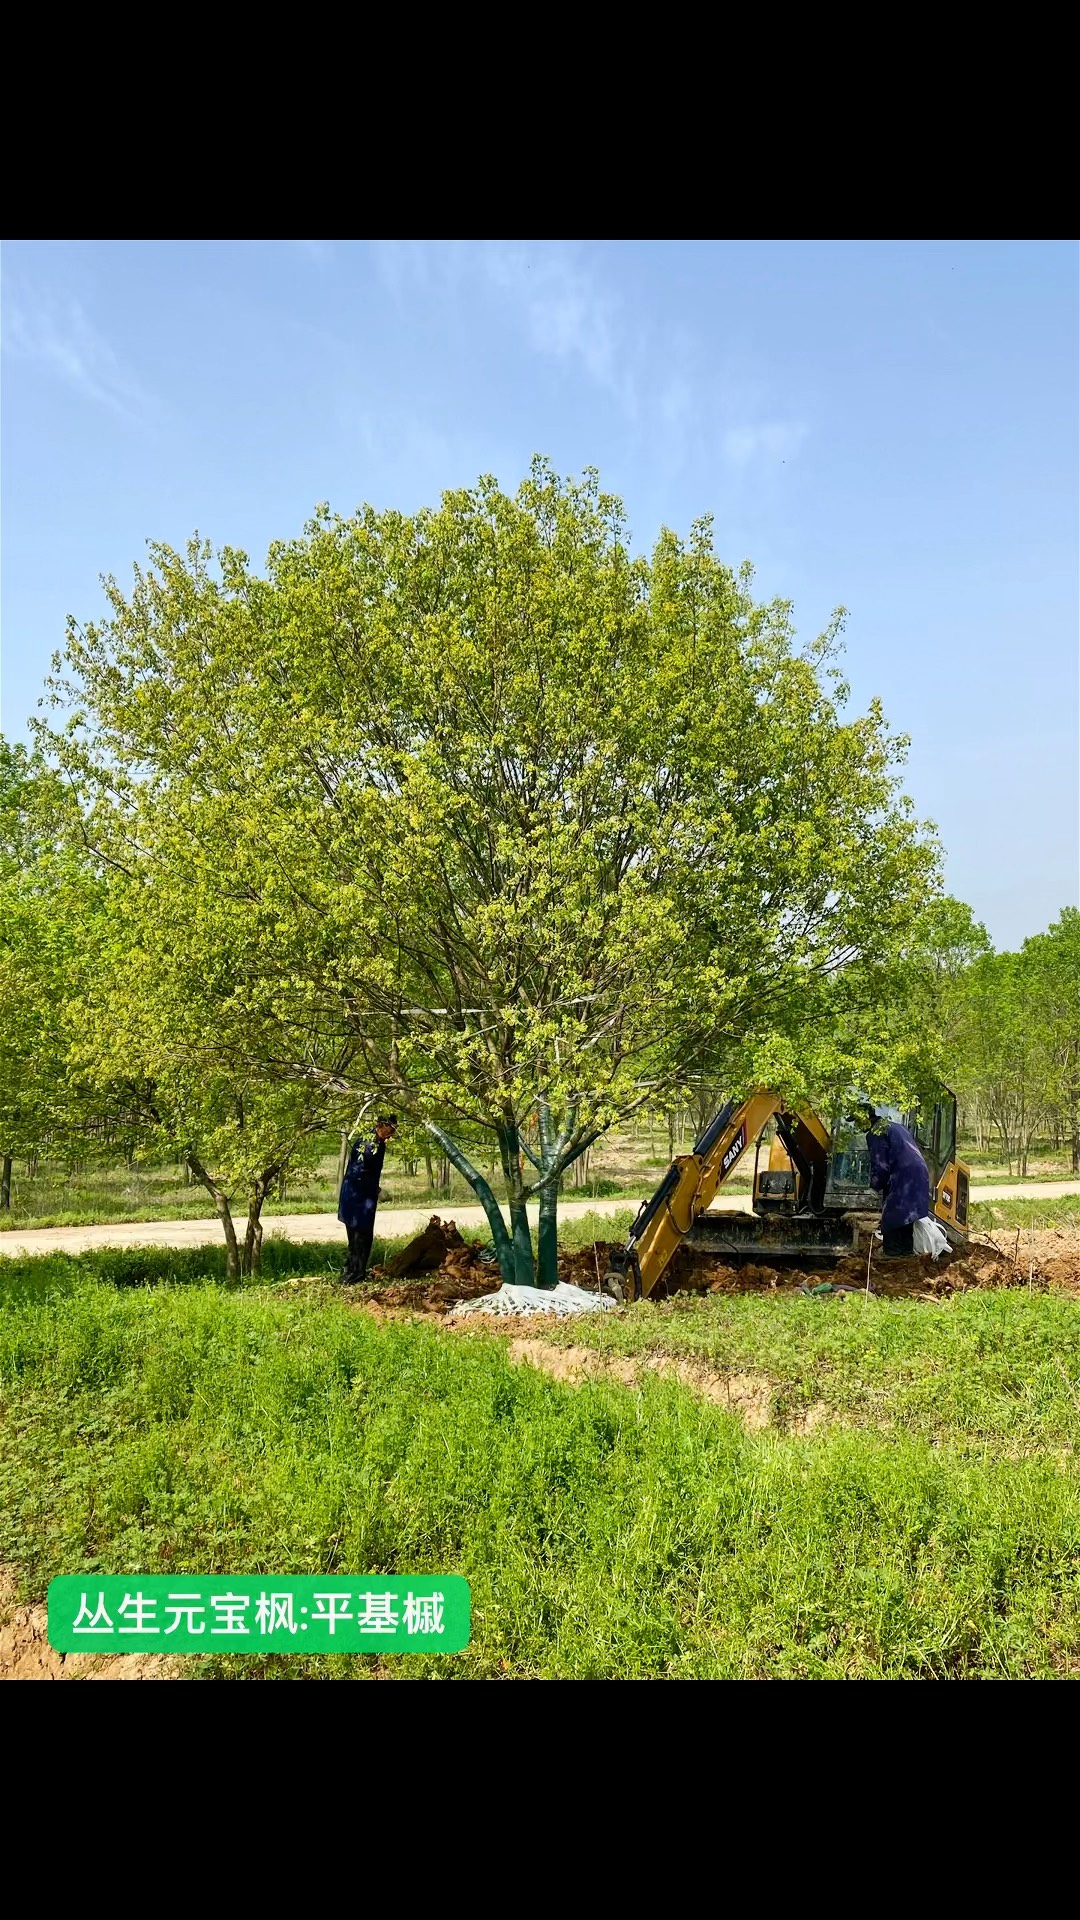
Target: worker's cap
x=386, y=1120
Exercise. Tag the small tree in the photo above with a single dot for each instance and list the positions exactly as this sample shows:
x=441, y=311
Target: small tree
x=164, y=1025
x=1051, y=964
x=1003, y=1048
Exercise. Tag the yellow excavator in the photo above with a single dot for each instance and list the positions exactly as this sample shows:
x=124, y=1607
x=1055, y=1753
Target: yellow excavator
x=812, y=1200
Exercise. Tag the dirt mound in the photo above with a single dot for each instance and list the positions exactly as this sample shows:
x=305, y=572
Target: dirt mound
x=25, y=1653
x=982, y=1264
x=439, y=1268
x=436, y=1270
x=426, y=1251
x=1041, y=1260
x=585, y=1265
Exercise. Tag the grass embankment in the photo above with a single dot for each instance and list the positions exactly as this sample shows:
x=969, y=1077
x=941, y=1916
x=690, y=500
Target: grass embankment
x=988, y=1375
x=989, y=1215
x=931, y=1528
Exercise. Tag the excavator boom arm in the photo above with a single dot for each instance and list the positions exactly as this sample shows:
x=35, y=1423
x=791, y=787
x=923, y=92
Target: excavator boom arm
x=693, y=1179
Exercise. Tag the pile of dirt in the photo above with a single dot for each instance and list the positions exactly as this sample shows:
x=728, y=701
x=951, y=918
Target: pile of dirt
x=436, y=1270
x=439, y=1269
x=1050, y=1252
x=982, y=1264
x=426, y=1251
x=584, y=1267
x=1044, y=1260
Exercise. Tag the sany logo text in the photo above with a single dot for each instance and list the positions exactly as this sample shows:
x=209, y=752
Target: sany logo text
x=735, y=1148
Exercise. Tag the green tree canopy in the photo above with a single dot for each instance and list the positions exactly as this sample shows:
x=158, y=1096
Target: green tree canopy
x=518, y=830
x=172, y=1053
x=1053, y=963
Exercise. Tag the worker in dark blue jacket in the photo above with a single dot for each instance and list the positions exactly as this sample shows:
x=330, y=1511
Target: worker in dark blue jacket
x=360, y=1196
x=900, y=1174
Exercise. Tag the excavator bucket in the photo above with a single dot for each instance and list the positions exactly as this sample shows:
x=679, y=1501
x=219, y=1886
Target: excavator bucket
x=809, y=1239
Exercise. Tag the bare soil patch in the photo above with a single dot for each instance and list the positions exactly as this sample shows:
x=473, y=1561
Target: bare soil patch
x=1043, y=1259
x=750, y=1395
x=1040, y=1260
x=25, y=1653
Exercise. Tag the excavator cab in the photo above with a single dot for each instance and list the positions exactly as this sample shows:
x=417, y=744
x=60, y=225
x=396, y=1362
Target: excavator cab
x=847, y=1186
x=950, y=1179
x=775, y=1183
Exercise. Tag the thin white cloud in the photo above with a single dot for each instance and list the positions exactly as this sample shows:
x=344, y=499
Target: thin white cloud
x=412, y=459
x=566, y=311
x=684, y=398
x=550, y=291
x=766, y=444
x=59, y=335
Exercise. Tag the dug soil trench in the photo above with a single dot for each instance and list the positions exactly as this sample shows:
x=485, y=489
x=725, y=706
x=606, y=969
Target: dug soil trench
x=441, y=1269
x=750, y=1395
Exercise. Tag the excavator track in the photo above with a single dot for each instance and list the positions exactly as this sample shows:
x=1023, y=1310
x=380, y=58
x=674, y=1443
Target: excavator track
x=739, y=1237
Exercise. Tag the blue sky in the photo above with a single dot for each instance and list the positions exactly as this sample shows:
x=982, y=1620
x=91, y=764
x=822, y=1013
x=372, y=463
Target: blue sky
x=891, y=426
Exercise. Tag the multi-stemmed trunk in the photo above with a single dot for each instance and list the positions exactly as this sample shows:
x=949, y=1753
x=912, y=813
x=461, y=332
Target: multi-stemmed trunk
x=513, y=1244
x=242, y=1259
x=224, y=1212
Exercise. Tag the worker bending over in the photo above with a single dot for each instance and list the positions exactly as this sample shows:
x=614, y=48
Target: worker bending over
x=900, y=1174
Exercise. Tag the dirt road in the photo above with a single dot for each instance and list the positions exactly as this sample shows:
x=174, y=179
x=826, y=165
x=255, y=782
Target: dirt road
x=1028, y=1190
x=392, y=1221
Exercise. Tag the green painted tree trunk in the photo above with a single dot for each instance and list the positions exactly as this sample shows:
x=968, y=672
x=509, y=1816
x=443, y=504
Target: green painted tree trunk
x=521, y=1237
x=517, y=1264
x=554, y=1159
x=547, y=1248
x=547, y=1251
x=504, y=1246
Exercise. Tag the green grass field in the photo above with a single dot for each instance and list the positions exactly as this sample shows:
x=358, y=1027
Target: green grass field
x=930, y=1527
x=988, y=1215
